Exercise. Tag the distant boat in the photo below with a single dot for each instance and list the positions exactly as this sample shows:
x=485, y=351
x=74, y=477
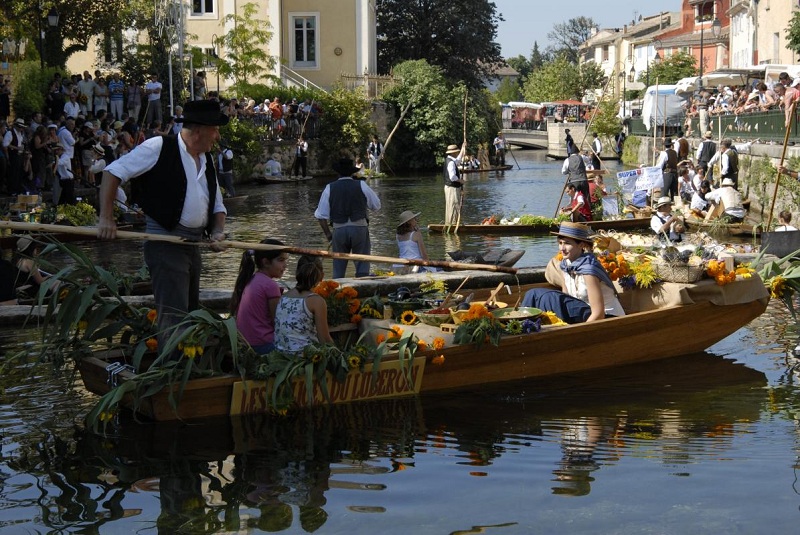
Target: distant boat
x=543, y=228
x=495, y=257
x=486, y=169
x=265, y=180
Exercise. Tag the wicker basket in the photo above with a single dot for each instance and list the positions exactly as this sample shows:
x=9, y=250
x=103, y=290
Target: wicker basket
x=678, y=272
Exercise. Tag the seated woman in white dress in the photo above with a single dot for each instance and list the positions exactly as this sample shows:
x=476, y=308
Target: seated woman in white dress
x=587, y=293
x=410, y=244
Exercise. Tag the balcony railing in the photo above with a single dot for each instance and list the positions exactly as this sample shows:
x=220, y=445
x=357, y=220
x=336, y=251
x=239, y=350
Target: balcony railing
x=764, y=126
x=374, y=84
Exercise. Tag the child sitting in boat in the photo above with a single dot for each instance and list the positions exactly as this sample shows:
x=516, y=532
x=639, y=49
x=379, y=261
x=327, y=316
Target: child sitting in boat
x=578, y=209
x=302, y=316
x=587, y=293
x=256, y=295
x=410, y=244
x=273, y=166
x=784, y=218
x=666, y=224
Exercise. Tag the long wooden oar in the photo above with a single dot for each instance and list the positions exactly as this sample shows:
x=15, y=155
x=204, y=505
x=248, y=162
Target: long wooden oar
x=461, y=203
x=128, y=235
x=389, y=138
x=783, y=157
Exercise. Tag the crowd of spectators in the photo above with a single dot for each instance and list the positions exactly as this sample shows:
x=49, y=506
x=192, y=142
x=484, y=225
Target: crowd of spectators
x=85, y=112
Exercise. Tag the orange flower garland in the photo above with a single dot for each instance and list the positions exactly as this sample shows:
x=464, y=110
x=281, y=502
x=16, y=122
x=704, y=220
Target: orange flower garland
x=615, y=265
x=717, y=271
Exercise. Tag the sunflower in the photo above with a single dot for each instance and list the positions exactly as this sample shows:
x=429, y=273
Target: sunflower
x=353, y=361
x=514, y=327
x=408, y=317
x=777, y=287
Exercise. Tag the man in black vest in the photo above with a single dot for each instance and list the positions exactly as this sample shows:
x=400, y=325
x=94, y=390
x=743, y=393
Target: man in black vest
x=729, y=162
x=225, y=169
x=575, y=169
x=705, y=152
x=344, y=203
x=175, y=184
x=668, y=163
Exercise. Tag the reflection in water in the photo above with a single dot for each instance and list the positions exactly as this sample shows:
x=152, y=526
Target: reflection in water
x=303, y=472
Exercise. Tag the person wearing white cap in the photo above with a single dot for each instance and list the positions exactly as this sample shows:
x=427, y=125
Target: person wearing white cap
x=664, y=222
x=731, y=200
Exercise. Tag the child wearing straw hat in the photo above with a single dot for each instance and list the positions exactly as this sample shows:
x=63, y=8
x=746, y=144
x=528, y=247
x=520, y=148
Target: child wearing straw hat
x=409, y=242
x=587, y=293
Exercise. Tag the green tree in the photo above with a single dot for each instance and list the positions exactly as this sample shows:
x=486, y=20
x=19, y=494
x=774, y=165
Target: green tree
x=793, y=33
x=567, y=37
x=458, y=37
x=671, y=69
x=435, y=118
x=346, y=123
x=560, y=79
x=521, y=65
x=508, y=91
x=606, y=123
x=245, y=45
x=537, y=58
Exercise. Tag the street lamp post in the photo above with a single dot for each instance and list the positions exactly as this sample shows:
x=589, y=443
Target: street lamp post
x=656, y=59
x=52, y=22
x=716, y=27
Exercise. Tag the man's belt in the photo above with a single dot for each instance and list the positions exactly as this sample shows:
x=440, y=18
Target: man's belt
x=670, y=170
x=453, y=184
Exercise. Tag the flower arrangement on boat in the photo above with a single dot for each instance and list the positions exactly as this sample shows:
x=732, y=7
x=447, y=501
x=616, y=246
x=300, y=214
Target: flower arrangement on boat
x=342, y=301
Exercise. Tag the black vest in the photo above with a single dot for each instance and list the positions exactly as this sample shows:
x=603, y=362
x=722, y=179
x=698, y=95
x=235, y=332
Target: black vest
x=446, y=175
x=576, y=168
x=671, y=165
x=227, y=165
x=733, y=164
x=707, y=152
x=161, y=190
x=347, y=201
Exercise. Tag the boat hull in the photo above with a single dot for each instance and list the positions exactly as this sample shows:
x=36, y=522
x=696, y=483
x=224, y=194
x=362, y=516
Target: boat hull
x=521, y=230
x=635, y=338
x=487, y=170
x=263, y=180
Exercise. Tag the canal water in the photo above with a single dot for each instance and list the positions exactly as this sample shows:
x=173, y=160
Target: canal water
x=698, y=444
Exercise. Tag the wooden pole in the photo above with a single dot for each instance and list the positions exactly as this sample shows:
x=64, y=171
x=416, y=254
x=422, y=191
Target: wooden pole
x=91, y=232
x=461, y=203
x=396, y=125
x=783, y=157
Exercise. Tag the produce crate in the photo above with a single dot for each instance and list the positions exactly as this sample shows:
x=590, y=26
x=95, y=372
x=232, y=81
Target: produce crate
x=677, y=271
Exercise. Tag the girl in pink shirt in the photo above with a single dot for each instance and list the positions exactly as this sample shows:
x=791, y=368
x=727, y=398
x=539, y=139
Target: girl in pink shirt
x=256, y=295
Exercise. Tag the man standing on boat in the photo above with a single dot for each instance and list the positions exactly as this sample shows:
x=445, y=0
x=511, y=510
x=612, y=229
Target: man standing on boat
x=705, y=152
x=729, y=162
x=570, y=142
x=375, y=151
x=175, y=184
x=344, y=202
x=500, y=150
x=453, y=183
x=597, y=148
x=575, y=169
x=668, y=163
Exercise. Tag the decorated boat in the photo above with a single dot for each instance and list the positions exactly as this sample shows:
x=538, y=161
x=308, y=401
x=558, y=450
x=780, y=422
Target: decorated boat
x=647, y=333
x=540, y=228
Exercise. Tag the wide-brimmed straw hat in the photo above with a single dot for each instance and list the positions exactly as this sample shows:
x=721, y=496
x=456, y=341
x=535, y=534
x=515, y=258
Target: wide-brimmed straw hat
x=407, y=216
x=23, y=244
x=202, y=112
x=453, y=149
x=345, y=167
x=708, y=134
x=98, y=148
x=575, y=231
x=727, y=182
x=663, y=201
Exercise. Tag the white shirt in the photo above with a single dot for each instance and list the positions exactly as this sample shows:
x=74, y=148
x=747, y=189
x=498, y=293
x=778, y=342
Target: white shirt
x=784, y=228
x=67, y=141
x=698, y=203
x=156, y=88
x=226, y=154
x=730, y=197
x=195, y=204
x=8, y=138
x=323, y=210
x=685, y=186
x=597, y=145
x=452, y=168
x=64, y=168
x=72, y=109
x=273, y=168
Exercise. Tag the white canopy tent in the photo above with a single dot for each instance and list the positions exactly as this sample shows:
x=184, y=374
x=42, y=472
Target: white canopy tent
x=662, y=107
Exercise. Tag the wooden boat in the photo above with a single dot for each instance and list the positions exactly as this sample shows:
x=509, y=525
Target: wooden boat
x=718, y=227
x=497, y=257
x=521, y=230
x=266, y=180
x=235, y=201
x=647, y=333
x=487, y=169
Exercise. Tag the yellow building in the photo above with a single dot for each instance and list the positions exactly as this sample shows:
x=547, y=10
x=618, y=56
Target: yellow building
x=313, y=42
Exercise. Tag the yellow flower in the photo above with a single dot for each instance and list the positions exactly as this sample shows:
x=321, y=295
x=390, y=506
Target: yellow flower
x=316, y=357
x=189, y=352
x=777, y=287
x=63, y=294
x=422, y=345
x=396, y=331
x=82, y=324
x=438, y=343
x=408, y=318
x=353, y=361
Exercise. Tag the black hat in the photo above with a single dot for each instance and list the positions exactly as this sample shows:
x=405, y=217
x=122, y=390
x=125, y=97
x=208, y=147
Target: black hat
x=203, y=112
x=345, y=167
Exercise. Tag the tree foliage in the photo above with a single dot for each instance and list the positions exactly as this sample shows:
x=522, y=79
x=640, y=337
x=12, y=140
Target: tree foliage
x=436, y=116
x=606, y=122
x=560, y=79
x=245, y=43
x=458, y=37
x=346, y=123
x=521, y=65
x=537, y=57
x=671, y=69
x=567, y=37
x=793, y=33
x=508, y=91
x=79, y=21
